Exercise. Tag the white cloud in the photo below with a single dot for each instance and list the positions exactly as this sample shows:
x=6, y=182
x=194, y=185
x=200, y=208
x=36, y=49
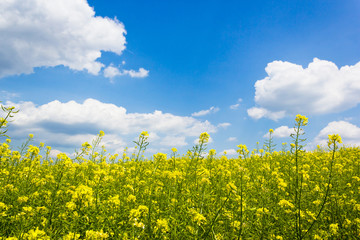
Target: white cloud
x=72, y=123
x=8, y=95
x=39, y=33
x=281, y=132
x=223, y=125
x=320, y=88
x=232, y=139
x=237, y=105
x=141, y=73
x=205, y=112
x=174, y=141
x=230, y=152
x=111, y=72
x=349, y=133
x=257, y=113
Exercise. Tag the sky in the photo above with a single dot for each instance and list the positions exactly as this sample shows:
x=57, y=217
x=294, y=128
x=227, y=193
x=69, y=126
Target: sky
x=234, y=69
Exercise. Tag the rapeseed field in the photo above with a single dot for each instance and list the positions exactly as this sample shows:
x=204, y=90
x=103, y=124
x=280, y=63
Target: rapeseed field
x=261, y=194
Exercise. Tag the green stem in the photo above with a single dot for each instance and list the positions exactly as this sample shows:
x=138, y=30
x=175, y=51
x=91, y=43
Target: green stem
x=327, y=191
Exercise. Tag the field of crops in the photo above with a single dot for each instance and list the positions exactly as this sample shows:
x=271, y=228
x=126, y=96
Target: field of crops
x=263, y=194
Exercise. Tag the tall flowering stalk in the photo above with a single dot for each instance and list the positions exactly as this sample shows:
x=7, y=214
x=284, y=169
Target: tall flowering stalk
x=333, y=142
x=142, y=143
x=269, y=144
x=297, y=149
x=198, y=150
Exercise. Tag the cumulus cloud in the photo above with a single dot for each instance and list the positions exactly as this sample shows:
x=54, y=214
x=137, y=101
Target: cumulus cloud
x=72, y=123
x=257, y=113
x=320, y=88
x=205, y=112
x=38, y=33
x=111, y=72
x=141, y=73
x=281, y=132
x=349, y=133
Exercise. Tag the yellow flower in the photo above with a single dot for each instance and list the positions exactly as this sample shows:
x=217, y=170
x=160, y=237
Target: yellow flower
x=94, y=235
x=3, y=206
x=31, y=135
x=160, y=157
x=271, y=131
x=22, y=199
x=285, y=203
x=86, y=145
x=36, y=234
x=71, y=236
x=131, y=198
x=204, y=137
x=3, y=122
x=71, y=206
x=334, y=139
x=101, y=133
x=162, y=225
x=174, y=150
x=33, y=149
x=144, y=134
x=334, y=228
x=302, y=120
x=198, y=218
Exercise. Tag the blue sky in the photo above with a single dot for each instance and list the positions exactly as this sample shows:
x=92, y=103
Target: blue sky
x=176, y=69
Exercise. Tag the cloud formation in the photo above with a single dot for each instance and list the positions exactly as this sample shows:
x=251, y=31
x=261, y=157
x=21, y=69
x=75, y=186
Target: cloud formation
x=281, y=132
x=71, y=123
x=349, y=133
x=236, y=105
x=230, y=152
x=111, y=72
x=224, y=125
x=232, y=139
x=320, y=88
x=257, y=113
x=205, y=112
x=38, y=33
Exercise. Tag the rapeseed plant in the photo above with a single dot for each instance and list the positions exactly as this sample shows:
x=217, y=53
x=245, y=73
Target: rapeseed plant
x=290, y=194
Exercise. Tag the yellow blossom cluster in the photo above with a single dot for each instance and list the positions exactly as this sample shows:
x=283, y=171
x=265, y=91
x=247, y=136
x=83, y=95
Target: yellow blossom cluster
x=95, y=195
